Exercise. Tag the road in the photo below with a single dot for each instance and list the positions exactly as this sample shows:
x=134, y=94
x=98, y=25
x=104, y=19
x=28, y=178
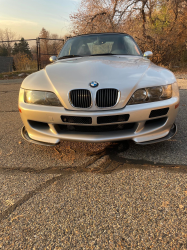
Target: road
x=90, y=196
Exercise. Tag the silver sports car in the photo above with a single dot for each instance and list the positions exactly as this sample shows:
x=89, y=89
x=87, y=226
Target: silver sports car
x=100, y=88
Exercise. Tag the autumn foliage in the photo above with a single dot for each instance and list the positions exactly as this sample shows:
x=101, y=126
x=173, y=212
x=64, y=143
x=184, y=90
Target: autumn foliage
x=49, y=45
x=24, y=62
x=156, y=25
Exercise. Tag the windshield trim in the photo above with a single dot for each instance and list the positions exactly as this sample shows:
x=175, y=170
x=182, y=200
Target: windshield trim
x=119, y=55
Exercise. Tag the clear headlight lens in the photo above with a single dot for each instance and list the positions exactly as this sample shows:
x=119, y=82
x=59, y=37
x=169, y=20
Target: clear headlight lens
x=41, y=98
x=152, y=94
x=140, y=95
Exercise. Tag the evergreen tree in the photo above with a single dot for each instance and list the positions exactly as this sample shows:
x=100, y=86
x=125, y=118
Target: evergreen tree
x=3, y=50
x=22, y=47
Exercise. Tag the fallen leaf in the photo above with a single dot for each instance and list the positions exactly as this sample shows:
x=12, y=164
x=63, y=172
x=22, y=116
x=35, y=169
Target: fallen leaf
x=11, y=152
x=181, y=206
x=17, y=217
x=9, y=202
x=165, y=204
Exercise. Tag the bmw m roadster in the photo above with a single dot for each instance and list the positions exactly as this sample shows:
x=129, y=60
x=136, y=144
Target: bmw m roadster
x=99, y=88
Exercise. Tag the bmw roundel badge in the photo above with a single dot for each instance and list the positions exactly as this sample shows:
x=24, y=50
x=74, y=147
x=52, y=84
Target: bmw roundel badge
x=94, y=84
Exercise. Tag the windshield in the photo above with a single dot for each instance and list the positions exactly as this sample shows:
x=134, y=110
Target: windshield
x=100, y=44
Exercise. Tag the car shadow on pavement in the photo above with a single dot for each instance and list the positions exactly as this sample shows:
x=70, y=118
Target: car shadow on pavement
x=103, y=161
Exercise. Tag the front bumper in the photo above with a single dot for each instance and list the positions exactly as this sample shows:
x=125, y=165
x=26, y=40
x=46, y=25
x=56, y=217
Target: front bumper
x=171, y=134
x=43, y=124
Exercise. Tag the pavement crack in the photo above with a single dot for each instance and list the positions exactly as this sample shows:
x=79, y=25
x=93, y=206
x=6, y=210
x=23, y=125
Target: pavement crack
x=9, y=111
x=44, y=185
x=26, y=197
x=5, y=91
x=112, y=162
x=56, y=169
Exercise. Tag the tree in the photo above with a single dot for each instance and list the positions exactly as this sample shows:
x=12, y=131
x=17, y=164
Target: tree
x=6, y=36
x=3, y=50
x=158, y=25
x=100, y=16
x=44, y=42
x=48, y=46
x=22, y=47
x=163, y=29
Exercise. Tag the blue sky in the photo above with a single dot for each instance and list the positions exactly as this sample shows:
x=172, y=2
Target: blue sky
x=27, y=17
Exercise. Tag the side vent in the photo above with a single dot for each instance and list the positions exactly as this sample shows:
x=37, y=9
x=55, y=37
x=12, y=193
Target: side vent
x=158, y=112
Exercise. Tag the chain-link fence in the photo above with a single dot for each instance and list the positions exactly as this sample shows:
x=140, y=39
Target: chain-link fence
x=46, y=47
x=38, y=57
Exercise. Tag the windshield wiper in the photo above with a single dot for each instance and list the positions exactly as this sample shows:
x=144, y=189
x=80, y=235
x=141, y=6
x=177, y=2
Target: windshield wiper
x=104, y=54
x=68, y=56
x=71, y=56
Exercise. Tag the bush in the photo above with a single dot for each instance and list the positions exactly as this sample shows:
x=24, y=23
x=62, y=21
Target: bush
x=23, y=62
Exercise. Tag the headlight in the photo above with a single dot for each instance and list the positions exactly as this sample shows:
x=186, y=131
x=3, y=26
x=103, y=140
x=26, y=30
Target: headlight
x=41, y=98
x=152, y=94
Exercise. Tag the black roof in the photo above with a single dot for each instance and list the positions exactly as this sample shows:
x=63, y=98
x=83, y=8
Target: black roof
x=103, y=33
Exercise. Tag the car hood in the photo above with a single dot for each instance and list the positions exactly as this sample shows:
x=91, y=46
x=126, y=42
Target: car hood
x=125, y=73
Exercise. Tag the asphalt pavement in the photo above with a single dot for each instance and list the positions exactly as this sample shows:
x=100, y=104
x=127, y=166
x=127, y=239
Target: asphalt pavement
x=90, y=196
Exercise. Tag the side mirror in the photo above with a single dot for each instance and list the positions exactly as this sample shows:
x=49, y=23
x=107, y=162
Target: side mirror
x=52, y=58
x=148, y=54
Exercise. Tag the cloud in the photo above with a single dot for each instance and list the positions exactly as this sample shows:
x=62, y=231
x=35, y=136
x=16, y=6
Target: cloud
x=17, y=22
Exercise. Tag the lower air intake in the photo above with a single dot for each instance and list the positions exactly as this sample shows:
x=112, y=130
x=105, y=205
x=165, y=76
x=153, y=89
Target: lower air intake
x=90, y=129
x=112, y=119
x=76, y=119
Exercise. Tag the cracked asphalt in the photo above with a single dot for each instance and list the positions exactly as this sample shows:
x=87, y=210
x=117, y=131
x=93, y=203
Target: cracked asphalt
x=91, y=196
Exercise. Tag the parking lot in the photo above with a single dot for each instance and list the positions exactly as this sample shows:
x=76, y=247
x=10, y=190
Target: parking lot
x=91, y=196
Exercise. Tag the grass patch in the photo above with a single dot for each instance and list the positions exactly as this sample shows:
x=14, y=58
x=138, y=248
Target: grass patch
x=14, y=74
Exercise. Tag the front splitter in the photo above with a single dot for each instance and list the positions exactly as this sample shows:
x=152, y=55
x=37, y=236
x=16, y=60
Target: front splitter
x=27, y=138
x=171, y=134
